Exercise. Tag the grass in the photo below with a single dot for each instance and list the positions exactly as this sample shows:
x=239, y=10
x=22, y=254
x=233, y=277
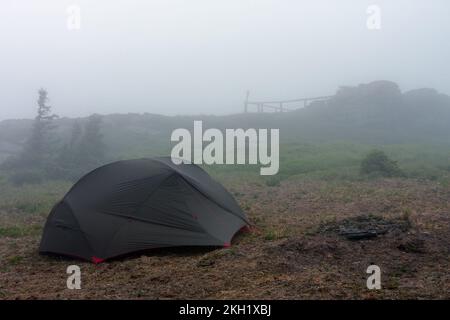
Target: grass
x=20, y=231
x=285, y=218
x=318, y=161
x=332, y=162
x=31, y=199
x=272, y=234
x=341, y=161
x=15, y=260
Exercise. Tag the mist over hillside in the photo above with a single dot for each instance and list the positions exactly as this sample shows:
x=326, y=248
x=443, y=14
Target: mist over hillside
x=376, y=113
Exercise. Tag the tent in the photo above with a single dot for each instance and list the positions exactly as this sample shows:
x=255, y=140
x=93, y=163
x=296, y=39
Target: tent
x=134, y=205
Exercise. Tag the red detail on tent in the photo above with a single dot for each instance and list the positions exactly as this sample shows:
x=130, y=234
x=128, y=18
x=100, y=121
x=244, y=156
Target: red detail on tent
x=227, y=245
x=97, y=260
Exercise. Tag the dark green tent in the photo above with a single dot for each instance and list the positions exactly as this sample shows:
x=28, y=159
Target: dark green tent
x=134, y=205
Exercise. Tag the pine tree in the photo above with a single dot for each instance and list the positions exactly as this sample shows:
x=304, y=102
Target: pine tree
x=36, y=161
x=37, y=148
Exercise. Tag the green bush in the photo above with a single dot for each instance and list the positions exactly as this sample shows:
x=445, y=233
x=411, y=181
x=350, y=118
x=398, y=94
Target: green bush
x=273, y=181
x=377, y=163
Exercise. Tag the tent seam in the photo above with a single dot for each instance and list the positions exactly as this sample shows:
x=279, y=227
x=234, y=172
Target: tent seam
x=79, y=225
x=138, y=208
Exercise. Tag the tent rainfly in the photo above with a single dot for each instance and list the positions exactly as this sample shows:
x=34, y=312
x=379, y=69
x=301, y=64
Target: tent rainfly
x=134, y=205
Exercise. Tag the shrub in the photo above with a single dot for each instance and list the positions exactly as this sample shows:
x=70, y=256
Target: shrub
x=378, y=163
x=273, y=181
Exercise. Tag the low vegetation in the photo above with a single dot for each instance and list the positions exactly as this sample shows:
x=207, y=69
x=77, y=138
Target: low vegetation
x=377, y=163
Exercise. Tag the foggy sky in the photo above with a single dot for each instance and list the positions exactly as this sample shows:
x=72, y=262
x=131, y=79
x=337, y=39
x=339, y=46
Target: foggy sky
x=200, y=56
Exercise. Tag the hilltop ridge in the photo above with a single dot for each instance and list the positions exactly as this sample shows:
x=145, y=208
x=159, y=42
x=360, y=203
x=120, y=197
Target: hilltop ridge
x=377, y=112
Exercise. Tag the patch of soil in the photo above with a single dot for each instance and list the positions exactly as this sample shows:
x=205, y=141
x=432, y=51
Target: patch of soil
x=412, y=245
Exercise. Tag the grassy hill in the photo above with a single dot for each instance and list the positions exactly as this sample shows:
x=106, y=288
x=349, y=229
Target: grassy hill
x=327, y=139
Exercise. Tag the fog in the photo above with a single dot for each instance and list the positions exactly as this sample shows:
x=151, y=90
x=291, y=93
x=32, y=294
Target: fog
x=200, y=56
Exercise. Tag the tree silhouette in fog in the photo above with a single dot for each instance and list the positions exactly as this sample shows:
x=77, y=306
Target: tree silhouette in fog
x=38, y=147
x=84, y=151
x=35, y=159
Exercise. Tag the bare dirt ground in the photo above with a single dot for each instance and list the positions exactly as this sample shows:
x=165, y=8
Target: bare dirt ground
x=294, y=251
